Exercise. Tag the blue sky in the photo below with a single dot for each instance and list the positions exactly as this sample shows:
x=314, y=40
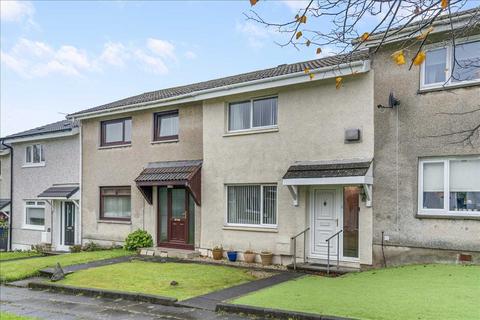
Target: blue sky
x=61, y=57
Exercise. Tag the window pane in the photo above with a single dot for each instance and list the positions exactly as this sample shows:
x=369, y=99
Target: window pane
x=244, y=204
x=42, y=154
x=178, y=203
x=265, y=112
x=435, y=65
x=28, y=154
x=269, y=205
x=465, y=185
x=36, y=153
x=467, y=62
x=191, y=220
x=116, y=207
x=35, y=216
x=168, y=125
x=114, y=132
x=239, y=115
x=163, y=214
x=128, y=130
x=433, y=186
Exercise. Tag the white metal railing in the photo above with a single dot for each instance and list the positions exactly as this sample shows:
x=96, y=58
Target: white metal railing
x=294, y=238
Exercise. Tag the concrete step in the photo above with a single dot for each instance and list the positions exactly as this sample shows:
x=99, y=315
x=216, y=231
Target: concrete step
x=322, y=268
x=169, y=253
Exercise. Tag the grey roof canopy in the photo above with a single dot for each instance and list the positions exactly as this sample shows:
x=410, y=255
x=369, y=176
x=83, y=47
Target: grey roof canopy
x=59, y=192
x=4, y=203
x=171, y=173
x=64, y=125
x=327, y=170
x=280, y=70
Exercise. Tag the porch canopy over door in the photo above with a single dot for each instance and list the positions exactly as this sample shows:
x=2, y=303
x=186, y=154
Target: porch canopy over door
x=344, y=172
x=60, y=192
x=185, y=173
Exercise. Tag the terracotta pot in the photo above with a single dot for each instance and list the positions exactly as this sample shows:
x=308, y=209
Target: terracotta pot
x=249, y=257
x=267, y=258
x=217, y=254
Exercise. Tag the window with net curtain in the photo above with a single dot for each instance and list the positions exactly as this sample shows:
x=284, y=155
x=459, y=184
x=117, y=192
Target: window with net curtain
x=251, y=114
x=35, y=213
x=252, y=205
x=166, y=125
x=115, y=203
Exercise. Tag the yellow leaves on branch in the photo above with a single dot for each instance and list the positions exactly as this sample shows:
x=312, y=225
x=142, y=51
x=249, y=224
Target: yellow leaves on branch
x=253, y=2
x=444, y=4
x=398, y=57
x=311, y=76
x=338, y=82
x=419, y=58
x=319, y=50
x=424, y=34
x=365, y=36
x=298, y=35
x=307, y=70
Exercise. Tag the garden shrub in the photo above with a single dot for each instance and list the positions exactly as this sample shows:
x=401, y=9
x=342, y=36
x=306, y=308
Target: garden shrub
x=138, y=239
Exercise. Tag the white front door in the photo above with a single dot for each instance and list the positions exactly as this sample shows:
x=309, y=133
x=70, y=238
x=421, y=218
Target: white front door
x=324, y=214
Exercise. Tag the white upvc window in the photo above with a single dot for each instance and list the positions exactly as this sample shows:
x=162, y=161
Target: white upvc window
x=449, y=186
x=448, y=65
x=252, y=205
x=254, y=114
x=34, y=215
x=34, y=155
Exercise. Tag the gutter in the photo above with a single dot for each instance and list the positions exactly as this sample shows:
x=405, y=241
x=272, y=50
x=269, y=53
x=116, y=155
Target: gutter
x=343, y=69
x=41, y=136
x=10, y=219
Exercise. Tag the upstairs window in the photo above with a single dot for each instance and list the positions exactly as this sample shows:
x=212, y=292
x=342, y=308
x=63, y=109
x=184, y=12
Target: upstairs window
x=116, y=132
x=450, y=186
x=166, y=125
x=34, y=155
x=253, y=114
x=447, y=66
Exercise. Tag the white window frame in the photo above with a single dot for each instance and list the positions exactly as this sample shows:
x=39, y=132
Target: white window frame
x=449, y=65
x=251, y=128
x=36, y=205
x=42, y=156
x=445, y=211
x=261, y=225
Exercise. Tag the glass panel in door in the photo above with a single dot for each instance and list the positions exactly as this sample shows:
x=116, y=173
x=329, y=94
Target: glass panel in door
x=350, y=221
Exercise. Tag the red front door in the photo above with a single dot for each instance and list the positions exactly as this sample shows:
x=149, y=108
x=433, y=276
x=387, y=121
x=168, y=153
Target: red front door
x=173, y=226
x=178, y=216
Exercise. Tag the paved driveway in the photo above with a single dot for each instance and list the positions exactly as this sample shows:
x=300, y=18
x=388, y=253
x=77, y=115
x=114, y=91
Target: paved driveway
x=45, y=305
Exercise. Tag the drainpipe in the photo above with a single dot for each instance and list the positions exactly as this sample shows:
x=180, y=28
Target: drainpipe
x=10, y=219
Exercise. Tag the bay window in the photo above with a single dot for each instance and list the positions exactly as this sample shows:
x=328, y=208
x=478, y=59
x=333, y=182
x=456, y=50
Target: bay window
x=253, y=114
x=252, y=205
x=451, y=65
x=450, y=186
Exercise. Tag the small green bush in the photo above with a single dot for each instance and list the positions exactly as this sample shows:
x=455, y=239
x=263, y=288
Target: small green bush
x=138, y=239
x=75, y=248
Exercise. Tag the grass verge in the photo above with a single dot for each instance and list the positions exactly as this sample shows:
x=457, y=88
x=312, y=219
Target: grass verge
x=10, y=316
x=155, y=278
x=21, y=269
x=4, y=256
x=409, y=292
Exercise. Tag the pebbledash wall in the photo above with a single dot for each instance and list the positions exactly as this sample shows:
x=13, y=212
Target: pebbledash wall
x=401, y=139
x=312, y=119
x=61, y=167
x=119, y=166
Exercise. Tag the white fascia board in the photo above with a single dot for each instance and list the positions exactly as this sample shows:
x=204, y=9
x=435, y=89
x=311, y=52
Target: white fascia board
x=45, y=136
x=328, y=181
x=344, y=69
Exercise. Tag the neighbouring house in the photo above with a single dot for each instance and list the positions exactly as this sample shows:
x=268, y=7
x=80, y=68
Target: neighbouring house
x=45, y=175
x=246, y=162
x=426, y=195
x=4, y=195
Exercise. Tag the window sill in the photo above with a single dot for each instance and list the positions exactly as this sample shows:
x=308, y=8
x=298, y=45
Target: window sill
x=164, y=141
x=253, y=131
x=446, y=215
x=252, y=229
x=33, y=227
x=34, y=165
x=449, y=87
x=115, y=147
x=114, y=221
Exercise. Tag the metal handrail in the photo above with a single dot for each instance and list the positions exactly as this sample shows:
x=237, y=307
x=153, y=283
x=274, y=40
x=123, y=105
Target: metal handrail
x=328, y=250
x=294, y=238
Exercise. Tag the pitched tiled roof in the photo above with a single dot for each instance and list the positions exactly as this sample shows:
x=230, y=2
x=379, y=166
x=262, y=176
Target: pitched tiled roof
x=64, y=125
x=328, y=169
x=169, y=171
x=280, y=70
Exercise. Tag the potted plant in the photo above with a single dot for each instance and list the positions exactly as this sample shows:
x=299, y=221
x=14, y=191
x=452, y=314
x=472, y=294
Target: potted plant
x=217, y=253
x=232, y=255
x=249, y=256
x=267, y=258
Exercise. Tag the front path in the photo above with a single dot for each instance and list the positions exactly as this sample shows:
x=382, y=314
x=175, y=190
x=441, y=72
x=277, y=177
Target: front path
x=45, y=305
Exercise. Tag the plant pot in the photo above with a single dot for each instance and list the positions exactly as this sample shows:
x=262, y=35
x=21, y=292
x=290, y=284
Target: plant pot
x=232, y=256
x=267, y=258
x=249, y=257
x=217, y=254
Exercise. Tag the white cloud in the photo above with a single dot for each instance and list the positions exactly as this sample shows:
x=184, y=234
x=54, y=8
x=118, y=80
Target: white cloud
x=255, y=34
x=296, y=5
x=162, y=48
x=151, y=63
x=190, y=55
x=114, y=53
x=16, y=11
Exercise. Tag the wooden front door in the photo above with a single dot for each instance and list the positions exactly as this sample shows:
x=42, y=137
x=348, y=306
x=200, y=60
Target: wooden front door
x=69, y=230
x=174, y=216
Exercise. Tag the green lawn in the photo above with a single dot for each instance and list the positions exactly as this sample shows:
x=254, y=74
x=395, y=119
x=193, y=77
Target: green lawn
x=410, y=292
x=4, y=256
x=10, y=316
x=154, y=278
x=20, y=269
